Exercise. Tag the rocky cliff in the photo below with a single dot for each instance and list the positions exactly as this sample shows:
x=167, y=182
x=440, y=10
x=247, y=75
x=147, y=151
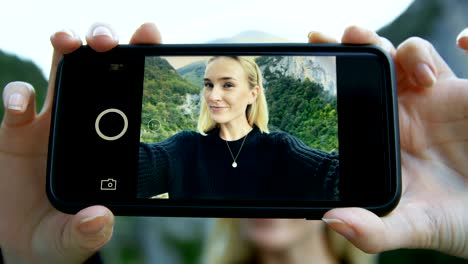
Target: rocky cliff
x=318, y=69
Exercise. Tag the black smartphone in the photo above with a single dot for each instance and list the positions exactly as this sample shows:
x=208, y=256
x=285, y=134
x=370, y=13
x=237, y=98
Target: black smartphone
x=225, y=130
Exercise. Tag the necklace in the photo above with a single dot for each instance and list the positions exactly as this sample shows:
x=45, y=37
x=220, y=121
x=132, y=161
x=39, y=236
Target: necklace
x=234, y=163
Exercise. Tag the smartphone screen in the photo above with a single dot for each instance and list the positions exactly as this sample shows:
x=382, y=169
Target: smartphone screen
x=295, y=159
x=200, y=130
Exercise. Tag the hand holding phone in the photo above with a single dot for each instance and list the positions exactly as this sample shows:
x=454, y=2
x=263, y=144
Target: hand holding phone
x=396, y=233
x=434, y=196
x=31, y=228
x=246, y=130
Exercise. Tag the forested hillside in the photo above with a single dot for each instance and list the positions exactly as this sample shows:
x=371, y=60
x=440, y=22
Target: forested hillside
x=303, y=109
x=164, y=96
x=193, y=72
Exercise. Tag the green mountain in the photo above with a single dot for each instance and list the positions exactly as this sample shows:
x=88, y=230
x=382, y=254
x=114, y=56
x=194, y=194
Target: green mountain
x=165, y=96
x=193, y=72
x=15, y=69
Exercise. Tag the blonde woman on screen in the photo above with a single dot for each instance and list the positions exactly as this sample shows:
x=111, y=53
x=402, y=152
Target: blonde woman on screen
x=233, y=155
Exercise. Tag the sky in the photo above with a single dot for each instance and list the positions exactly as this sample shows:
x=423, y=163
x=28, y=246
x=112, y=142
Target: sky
x=26, y=25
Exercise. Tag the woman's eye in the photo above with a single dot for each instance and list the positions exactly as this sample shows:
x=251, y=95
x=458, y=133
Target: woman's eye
x=228, y=85
x=208, y=85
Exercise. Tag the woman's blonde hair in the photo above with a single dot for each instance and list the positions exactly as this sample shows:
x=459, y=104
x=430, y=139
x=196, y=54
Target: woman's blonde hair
x=256, y=113
x=225, y=245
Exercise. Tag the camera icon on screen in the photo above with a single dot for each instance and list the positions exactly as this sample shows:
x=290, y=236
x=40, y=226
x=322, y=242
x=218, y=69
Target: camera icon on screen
x=109, y=185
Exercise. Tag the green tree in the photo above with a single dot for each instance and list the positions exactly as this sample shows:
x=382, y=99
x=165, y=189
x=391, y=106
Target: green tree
x=302, y=108
x=164, y=93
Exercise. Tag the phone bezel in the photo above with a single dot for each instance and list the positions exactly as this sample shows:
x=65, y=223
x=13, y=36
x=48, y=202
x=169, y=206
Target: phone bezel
x=241, y=209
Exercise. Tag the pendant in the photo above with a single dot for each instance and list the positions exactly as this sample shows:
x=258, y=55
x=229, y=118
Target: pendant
x=234, y=164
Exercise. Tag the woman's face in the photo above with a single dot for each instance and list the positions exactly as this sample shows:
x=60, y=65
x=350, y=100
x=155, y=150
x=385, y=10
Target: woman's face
x=278, y=234
x=227, y=91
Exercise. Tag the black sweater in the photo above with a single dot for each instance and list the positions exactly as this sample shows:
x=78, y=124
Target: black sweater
x=273, y=165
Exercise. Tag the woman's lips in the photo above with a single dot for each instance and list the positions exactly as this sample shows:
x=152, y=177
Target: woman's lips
x=217, y=108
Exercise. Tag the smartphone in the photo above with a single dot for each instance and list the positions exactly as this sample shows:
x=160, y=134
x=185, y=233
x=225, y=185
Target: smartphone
x=143, y=130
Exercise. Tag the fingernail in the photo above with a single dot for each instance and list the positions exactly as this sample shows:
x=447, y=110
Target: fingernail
x=340, y=226
x=102, y=31
x=92, y=225
x=424, y=76
x=68, y=32
x=310, y=34
x=462, y=34
x=16, y=102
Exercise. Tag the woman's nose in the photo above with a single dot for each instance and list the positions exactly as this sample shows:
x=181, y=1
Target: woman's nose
x=215, y=94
